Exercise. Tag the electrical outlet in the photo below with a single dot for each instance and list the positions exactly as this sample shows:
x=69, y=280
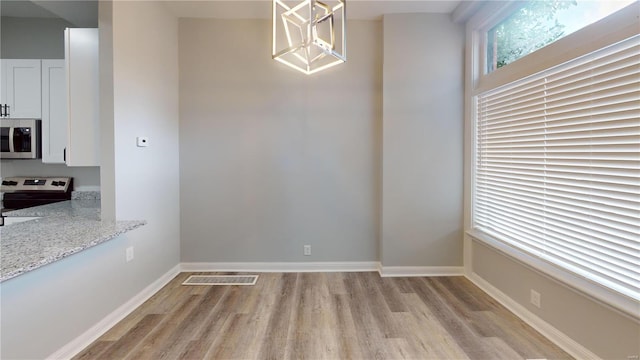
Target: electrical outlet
x=129, y=253
x=535, y=298
x=307, y=250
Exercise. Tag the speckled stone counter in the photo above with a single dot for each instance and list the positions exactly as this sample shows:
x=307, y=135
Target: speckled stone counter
x=63, y=229
x=85, y=195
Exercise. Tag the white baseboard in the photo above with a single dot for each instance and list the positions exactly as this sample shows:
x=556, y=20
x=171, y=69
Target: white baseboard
x=559, y=338
x=395, y=271
x=89, y=336
x=339, y=266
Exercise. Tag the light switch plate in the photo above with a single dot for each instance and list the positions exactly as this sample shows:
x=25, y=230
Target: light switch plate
x=142, y=141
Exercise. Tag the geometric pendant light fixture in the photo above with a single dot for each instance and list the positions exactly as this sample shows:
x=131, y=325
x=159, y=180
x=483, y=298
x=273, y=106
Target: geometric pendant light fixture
x=309, y=35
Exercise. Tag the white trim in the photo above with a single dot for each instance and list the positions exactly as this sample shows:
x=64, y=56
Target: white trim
x=338, y=266
x=559, y=338
x=81, y=342
x=464, y=11
x=396, y=271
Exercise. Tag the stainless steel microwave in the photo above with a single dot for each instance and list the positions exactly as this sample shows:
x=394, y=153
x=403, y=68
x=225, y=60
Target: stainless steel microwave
x=20, y=139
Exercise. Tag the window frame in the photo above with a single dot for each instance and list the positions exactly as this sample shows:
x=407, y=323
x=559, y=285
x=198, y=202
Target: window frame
x=607, y=31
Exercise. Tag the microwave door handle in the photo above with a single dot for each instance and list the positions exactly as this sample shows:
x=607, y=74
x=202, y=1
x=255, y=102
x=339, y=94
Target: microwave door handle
x=11, y=145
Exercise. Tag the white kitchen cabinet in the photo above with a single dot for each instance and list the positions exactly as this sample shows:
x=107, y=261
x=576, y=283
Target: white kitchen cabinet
x=20, y=88
x=81, y=57
x=54, y=111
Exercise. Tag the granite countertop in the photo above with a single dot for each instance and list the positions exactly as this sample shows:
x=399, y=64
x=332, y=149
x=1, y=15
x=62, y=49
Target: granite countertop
x=63, y=229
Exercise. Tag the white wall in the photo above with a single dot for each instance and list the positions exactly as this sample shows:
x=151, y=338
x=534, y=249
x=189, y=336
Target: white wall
x=422, y=141
x=45, y=309
x=270, y=158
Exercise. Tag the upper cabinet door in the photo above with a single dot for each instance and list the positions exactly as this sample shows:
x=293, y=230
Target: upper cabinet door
x=81, y=56
x=21, y=88
x=54, y=111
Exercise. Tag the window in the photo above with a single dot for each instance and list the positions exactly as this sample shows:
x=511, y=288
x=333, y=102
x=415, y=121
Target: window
x=556, y=159
x=539, y=23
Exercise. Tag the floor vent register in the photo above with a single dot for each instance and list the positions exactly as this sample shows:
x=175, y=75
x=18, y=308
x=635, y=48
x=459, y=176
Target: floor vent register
x=221, y=280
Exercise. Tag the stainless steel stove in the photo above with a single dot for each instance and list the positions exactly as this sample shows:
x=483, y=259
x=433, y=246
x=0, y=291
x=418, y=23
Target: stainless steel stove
x=24, y=192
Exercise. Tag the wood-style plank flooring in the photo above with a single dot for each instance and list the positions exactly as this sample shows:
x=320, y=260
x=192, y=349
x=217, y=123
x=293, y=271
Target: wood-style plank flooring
x=323, y=316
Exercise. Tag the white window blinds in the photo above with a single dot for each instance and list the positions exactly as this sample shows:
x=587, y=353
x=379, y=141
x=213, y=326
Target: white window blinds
x=557, y=167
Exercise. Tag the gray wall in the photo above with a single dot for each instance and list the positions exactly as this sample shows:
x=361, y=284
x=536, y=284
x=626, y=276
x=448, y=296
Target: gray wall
x=270, y=158
x=32, y=38
x=294, y=159
x=45, y=309
x=422, y=141
x=145, y=97
x=605, y=332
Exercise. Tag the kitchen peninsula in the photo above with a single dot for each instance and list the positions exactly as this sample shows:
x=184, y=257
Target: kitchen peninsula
x=59, y=230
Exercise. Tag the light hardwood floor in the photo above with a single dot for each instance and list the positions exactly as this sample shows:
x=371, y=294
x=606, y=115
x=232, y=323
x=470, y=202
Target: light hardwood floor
x=323, y=316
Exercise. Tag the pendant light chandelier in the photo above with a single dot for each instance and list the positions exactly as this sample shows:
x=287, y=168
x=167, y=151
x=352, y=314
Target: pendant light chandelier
x=309, y=35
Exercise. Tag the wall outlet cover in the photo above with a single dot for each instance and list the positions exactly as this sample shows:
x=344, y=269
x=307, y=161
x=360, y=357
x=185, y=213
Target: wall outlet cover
x=535, y=298
x=129, y=253
x=142, y=141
